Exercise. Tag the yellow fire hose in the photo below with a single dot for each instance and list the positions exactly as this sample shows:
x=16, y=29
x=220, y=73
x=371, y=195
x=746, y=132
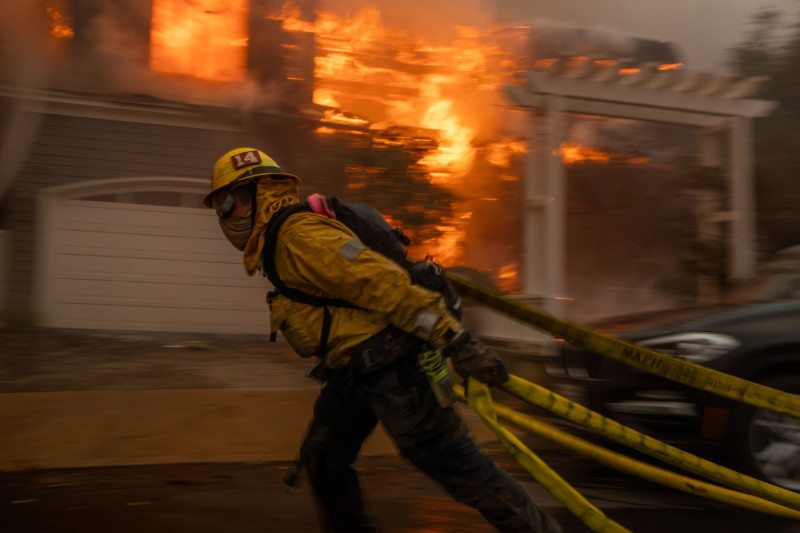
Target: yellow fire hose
x=757, y=495
x=630, y=354
x=479, y=399
x=558, y=405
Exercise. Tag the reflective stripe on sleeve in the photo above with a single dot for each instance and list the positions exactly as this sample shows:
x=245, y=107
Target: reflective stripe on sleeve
x=351, y=249
x=425, y=323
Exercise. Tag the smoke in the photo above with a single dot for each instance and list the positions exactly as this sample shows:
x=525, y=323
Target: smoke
x=114, y=35
x=110, y=48
x=703, y=29
x=108, y=54
x=24, y=57
x=20, y=28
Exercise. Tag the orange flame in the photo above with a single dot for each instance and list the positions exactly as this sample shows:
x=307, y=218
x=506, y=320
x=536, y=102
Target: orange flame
x=374, y=79
x=508, y=276
x=60, y=27
x=200, y=38
x=606, y=62
x=382, y=77
x=338, y=117
x=455, y=154
x=499, y=154
x=291, y=17
x=395, y=84
x=447, y=248
x=544, y=64
x=670, y=66
x=576, y=61
x=573, y=153
x=324, y=97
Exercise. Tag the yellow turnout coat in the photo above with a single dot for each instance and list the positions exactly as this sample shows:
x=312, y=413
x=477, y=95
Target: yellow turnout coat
x=321, y=256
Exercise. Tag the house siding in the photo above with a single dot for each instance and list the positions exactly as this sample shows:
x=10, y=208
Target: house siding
x=67, y=149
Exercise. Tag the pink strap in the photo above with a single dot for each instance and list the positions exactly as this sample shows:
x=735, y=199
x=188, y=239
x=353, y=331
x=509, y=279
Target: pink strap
x=318, y=205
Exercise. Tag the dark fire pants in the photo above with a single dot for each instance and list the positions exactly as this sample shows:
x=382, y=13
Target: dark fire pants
x=435, y=440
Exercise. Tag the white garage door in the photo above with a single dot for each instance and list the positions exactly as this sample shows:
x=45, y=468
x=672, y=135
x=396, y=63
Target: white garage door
x=122, y=266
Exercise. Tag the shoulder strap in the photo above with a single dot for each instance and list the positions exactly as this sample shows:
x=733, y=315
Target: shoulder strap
x=268, y=259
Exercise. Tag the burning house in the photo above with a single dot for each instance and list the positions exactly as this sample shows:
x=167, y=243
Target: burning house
x=115, y=115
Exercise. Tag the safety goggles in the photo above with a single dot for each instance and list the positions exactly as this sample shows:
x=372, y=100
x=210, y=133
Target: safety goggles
x=224, y=203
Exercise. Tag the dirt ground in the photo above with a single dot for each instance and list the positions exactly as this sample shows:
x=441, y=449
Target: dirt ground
x=44, y=359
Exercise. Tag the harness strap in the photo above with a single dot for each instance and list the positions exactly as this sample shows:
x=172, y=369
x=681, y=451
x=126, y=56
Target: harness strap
x=296, y=295
x=268, y=259
x=326, y=329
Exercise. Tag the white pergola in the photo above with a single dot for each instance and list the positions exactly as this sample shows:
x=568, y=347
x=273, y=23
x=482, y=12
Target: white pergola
x=721, y=106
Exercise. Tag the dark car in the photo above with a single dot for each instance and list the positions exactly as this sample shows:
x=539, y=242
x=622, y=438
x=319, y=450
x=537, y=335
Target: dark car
x=755, y=335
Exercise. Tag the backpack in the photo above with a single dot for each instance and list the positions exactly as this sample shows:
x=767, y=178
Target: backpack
x=375, y=233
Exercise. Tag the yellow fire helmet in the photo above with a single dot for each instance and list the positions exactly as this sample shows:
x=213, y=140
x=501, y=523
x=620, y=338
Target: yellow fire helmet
x=241, y=165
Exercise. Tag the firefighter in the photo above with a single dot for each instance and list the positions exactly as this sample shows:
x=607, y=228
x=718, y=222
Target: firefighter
x=369, y=353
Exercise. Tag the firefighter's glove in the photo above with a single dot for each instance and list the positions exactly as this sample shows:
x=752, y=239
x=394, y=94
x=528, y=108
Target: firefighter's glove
x=479, y=361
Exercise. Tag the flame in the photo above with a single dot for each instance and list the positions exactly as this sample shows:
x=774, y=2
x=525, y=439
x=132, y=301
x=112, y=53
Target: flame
x=363, y=28
x=447, y=247
x=544, y=64
x=430, y=100
x=508, y=276
x=384, y=88
x=374, y=76
x=338, y=117
x=325, y=130
x=200, y=38
x=573, y=153
x=606, y=62
x=453, y=159
x=324, y=97
x=387, y=89
x=291, y=19
x=575, y=61
x=401, y=80
x=499, y=154
x=60, y=27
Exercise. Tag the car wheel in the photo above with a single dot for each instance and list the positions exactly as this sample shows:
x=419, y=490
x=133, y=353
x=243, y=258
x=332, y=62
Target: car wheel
x=766, y=443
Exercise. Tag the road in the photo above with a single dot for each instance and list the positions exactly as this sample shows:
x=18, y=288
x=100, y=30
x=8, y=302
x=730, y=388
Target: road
x=247, y=497
x=119, y=433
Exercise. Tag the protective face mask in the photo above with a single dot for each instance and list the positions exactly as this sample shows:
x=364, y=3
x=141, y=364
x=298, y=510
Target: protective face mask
x=237, y=230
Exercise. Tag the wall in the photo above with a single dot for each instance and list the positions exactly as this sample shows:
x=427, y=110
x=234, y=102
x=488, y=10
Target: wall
x=75, y=143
